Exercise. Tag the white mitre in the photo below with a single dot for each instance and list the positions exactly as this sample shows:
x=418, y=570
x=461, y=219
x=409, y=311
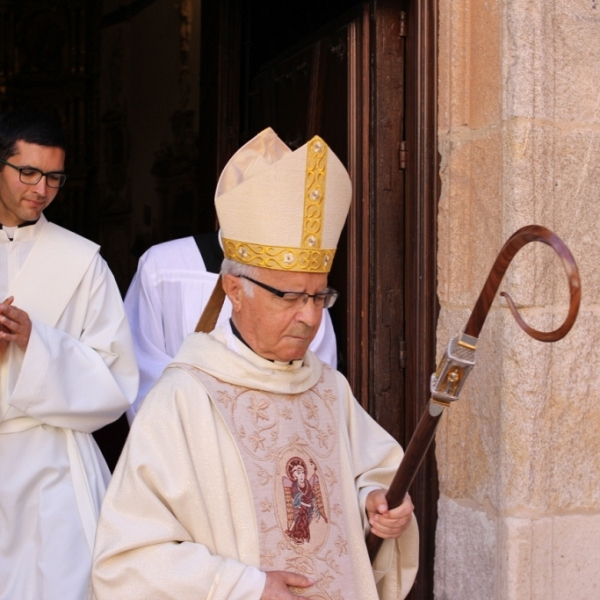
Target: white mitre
x=283, y=210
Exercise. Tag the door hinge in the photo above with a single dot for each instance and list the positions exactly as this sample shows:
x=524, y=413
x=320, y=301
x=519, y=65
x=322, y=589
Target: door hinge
x=403, y=354
x=402, y=32
x=402, y=155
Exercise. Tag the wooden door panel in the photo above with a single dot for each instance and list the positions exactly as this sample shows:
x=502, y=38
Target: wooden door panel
x=280, y=95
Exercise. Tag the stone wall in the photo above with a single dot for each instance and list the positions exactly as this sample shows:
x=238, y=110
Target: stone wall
x=518, y=459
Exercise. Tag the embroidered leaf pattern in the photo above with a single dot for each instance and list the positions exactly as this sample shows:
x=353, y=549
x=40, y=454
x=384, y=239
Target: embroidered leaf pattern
x=266, y=505
x=312, y=410
x=224, y=398
x=300, y=564
x=264, y=476
x=336, y=509
x=328, y=396
x=257, y=441
x=323, y=438
x=267, y=558
x=258, y=409
x=286, y=413
x=326, y=580
x=330, y=560
x=294, y=439
x=341, y=545
x=330, y=476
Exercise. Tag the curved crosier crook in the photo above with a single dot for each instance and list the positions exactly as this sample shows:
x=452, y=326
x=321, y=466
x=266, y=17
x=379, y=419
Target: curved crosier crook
x=450, y=376
x=522, y=237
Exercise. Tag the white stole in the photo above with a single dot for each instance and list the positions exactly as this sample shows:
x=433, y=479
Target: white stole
x=44, y=286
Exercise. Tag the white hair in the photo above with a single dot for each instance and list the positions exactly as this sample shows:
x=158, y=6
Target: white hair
x=232, y=267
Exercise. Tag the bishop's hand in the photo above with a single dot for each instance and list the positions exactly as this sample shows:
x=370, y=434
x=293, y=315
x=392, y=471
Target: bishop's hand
x=386, y=523
x=279, y=583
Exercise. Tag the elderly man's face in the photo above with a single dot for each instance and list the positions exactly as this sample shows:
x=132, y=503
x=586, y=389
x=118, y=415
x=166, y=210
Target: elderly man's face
x=271, y=327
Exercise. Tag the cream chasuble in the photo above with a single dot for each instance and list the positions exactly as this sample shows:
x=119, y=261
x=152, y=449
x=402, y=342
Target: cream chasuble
x=290, y=449
x=242, y=467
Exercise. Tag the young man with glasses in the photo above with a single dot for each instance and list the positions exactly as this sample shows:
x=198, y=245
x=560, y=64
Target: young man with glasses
x=252, y=471
x=67, y=368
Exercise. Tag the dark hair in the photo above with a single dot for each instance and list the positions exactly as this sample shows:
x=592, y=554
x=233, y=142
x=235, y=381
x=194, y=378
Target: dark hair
x=31, y=126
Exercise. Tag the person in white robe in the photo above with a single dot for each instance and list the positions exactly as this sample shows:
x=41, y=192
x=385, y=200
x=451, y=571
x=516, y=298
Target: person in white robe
x=166, y=297
x=252, y=472
x=67, y=368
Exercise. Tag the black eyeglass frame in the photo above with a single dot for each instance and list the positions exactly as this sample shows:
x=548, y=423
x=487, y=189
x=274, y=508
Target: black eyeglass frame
x=330, y=293
x=42, y=174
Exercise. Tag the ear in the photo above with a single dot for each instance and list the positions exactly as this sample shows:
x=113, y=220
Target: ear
x=234, y=291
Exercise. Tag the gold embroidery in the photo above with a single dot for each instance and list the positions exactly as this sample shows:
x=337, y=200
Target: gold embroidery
x=317, y=260
x=314, y=196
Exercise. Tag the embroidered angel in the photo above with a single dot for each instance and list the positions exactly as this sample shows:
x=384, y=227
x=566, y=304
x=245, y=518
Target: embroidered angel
x=303, y=500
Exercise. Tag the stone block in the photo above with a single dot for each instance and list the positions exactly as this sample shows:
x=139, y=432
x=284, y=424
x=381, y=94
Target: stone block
x=514, y=559
x=552, y=178
x=482, y=555
x=453, y=66
x=520, y=435
x=469, y=65
x=551, y=49
x=485, y=76
x=470, y=216
x=528, y=60
x=468, y=439
x=465, y=553
x=575, y=34
x=571, y=457
x=574, y=569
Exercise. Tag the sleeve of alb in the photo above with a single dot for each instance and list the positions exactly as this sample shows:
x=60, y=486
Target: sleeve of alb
x=81, y=383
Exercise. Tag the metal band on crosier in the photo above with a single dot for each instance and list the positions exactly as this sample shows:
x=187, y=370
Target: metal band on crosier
x=279, y=258
x=314, y=194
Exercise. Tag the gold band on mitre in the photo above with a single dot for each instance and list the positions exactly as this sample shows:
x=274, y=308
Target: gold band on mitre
x=282, y=259
x=314, y=196
x=310, y=258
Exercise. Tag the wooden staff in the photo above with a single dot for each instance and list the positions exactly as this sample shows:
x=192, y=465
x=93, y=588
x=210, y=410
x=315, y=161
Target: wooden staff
x=459, y=359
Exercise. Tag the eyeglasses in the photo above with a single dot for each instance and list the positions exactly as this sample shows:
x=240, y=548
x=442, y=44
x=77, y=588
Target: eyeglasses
x=322, y=300
x=31, y=175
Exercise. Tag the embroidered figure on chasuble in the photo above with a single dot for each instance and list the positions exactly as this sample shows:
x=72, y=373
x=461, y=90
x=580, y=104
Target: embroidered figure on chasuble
x=303, y=500
x=290, y=449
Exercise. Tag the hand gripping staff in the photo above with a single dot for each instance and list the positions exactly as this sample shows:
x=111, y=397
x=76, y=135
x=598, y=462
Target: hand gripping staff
x=449, y=378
